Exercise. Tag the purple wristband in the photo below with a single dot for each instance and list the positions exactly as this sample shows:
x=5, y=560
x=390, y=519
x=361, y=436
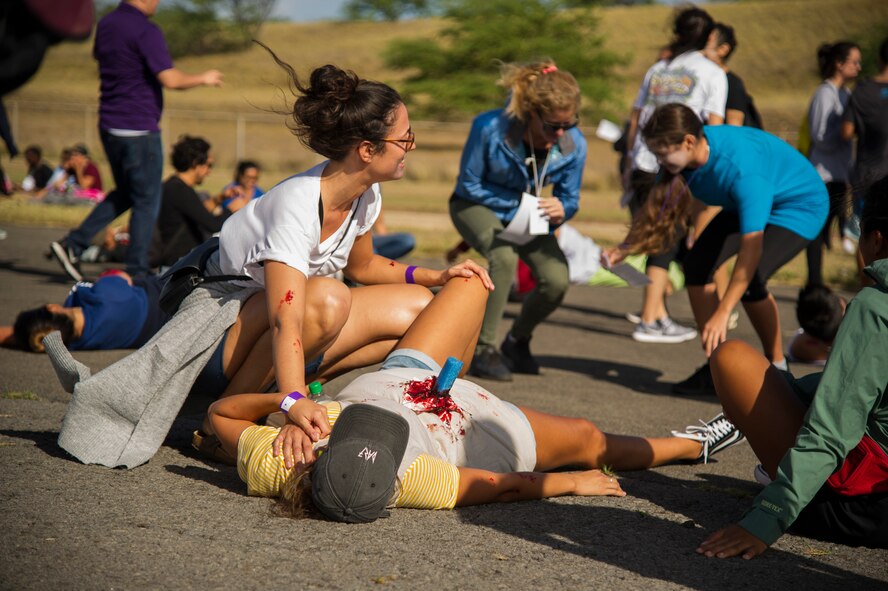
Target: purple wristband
x=290, y=399
x=408, y=274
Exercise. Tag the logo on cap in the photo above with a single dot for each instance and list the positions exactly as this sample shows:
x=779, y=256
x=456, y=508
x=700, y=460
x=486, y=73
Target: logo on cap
x=367, y=455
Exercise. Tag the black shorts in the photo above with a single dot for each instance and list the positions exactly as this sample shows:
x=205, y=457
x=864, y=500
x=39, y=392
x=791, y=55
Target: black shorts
x=854, y=521
x=720, y=241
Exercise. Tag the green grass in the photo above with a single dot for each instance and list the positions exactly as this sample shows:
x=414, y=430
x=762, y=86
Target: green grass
x=26, y=395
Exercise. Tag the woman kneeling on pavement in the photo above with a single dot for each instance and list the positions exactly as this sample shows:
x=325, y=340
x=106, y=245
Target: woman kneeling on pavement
x=286, y=319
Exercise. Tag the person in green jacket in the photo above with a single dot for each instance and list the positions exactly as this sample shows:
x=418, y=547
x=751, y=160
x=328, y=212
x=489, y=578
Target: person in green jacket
x=811, y=433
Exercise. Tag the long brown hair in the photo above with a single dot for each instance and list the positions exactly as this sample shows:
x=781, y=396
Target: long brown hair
x=663, y=218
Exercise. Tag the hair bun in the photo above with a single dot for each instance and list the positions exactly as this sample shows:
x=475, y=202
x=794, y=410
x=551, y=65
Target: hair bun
x=333, y=84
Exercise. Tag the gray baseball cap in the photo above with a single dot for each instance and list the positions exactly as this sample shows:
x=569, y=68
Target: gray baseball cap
x=353, y=480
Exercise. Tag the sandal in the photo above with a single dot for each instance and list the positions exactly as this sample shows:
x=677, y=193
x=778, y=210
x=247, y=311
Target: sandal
x=211, y=448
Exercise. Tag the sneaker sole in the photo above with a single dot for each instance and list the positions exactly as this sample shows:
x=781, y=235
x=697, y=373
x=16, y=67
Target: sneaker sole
x=664, y=339
x=58, y=251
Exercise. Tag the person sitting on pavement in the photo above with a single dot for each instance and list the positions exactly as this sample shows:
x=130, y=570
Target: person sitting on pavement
x=456, y=447
x=184, y=221
x=82, y=183
x=819, y=311
x=822, y=439
x=115, y=312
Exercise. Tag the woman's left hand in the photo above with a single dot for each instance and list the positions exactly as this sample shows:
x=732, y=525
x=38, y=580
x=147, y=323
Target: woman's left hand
x=715, y=331
x=467, y=268
x=731, y=541
x=553, y=208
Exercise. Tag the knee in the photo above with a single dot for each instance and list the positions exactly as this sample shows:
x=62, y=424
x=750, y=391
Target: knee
x=328, y=306
x=502, y=260
x=415, y=300
x=731, y=363
x=553, y=283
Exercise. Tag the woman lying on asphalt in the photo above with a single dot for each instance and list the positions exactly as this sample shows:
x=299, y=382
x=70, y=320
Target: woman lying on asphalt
x=461, y=447
x=822, y=439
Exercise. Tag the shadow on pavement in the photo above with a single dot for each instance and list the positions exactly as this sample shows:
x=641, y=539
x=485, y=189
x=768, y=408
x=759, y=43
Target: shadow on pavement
x=54, y=276
x=635, y=377
x=45, y=441
x=654, y=547
x=223, y=477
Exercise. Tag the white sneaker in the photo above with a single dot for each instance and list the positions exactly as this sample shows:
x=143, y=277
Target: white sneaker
x=633, y=317
x=664, y=330
x=716, y=434
x=733, y=319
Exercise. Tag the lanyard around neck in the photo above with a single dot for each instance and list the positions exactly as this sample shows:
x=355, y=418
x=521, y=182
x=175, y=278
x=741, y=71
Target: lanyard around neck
x=538, y=179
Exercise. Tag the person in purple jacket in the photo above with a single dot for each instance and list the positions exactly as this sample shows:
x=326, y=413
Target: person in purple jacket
x=134, y=68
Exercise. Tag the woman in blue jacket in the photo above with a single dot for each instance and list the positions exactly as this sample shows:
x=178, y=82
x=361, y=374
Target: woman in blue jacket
x=773, y=203
x=531, y=143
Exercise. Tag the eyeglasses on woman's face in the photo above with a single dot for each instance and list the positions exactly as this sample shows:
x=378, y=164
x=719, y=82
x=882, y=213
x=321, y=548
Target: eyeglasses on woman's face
x=555, y=126
x=406, y=143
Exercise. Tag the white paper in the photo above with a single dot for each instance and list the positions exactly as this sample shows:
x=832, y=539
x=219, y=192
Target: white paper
x=528, y=222
x=608, y=131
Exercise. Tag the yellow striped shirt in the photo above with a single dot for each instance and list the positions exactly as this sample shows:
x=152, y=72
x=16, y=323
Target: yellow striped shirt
x=429, y=482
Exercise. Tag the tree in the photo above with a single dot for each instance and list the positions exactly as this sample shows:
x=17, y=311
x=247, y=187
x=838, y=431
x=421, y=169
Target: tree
x=390, y=10
x=453, y=76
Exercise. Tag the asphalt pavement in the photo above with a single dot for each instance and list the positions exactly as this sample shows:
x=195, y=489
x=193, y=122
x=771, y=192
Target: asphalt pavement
x=186, y=523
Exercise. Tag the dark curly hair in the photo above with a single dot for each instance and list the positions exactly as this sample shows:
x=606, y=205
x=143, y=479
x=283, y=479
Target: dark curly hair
x=337, y=110
x=189, y=152
x=32, y=325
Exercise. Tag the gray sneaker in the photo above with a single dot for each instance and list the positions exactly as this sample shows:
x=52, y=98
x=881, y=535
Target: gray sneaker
x=664, y=330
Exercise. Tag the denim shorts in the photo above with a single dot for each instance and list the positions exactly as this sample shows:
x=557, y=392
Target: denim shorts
x=410, y=358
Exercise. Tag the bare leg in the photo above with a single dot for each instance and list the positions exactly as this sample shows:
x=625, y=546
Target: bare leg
x=766, y=321
x=563, y=441
x=379, y=316
x=450, y=325
x=653, y=306
x=704, y=301
x=247, y=358
x=757, y=400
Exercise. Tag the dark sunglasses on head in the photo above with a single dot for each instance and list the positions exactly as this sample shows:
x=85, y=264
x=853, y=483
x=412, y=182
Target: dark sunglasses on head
x=552, y=126
x=407, y=142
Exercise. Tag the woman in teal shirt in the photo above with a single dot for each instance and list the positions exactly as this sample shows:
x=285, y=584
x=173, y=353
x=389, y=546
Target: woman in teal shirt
x=773, y=203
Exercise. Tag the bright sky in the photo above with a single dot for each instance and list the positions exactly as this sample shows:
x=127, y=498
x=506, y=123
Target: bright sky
x=315, y=10
x=308, y=10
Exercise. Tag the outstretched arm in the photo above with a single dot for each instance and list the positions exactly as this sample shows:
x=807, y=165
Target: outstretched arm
x=477, y=487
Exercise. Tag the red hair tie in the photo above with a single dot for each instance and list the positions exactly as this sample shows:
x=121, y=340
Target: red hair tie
x=548, y=70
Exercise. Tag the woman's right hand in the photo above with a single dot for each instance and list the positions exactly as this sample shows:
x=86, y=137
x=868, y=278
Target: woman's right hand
x=309, y=424
x=595, y=483
x=612, y=256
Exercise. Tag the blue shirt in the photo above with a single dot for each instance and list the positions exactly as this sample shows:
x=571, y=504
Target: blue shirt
x=762, y=179
x=131, y=52
x=114, y=313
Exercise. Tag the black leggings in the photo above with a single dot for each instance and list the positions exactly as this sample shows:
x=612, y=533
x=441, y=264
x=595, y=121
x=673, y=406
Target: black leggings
x=838, y=210
x=720, y=241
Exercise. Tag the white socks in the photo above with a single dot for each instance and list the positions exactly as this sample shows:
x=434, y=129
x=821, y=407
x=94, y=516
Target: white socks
x=781, y=364
x=69, y=370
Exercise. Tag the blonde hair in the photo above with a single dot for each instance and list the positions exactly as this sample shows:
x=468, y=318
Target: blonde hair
x=538, y=86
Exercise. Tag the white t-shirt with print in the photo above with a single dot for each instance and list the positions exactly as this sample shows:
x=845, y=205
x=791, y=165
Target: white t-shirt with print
x=284, y=226
x=486, y=433
x=690, y=79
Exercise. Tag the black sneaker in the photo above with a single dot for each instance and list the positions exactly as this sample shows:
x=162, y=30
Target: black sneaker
x=716, y=434
x=488, y=364
x=66, y=257
x=698, y=384
x=518, y=357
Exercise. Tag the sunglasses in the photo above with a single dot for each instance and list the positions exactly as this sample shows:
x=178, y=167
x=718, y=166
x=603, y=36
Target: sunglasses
x=407, y=143
x=552, y=126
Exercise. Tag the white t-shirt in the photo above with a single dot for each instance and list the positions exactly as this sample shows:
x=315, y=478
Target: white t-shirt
x=283, y=225
x=690, y=79
x=485, y=432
